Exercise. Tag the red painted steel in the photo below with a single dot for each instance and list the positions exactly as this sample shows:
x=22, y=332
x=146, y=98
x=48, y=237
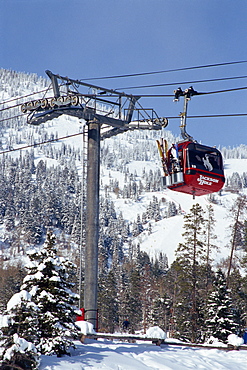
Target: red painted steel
x=201, y=166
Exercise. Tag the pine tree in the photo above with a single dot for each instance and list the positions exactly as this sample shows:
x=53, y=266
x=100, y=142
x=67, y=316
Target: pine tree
x=156, y=209
x=147, y=295
x=10, y=216
x=107, y=302
x=133, y=300
x=179, y=288
x=103, y=257
x=139, y=224
x=210, y=237
x=161, y=312
x=135, y=229
x=244, y=257
x=220, y=319
x=237, y=229
x=189, y=256
x=48, y=284
x=122, y=279
x=172, y=210
x=20, y=333
x=10, y=282
x=238, y=292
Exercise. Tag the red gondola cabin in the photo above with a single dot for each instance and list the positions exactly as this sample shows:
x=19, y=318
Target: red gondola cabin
x=194, y=169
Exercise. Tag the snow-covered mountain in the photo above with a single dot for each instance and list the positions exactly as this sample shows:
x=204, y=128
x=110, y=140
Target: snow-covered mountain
x=40, y=188
x=128, y=158
x=167, y=233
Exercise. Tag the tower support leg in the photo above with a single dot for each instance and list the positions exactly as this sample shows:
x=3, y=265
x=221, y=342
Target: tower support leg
x=92, y=224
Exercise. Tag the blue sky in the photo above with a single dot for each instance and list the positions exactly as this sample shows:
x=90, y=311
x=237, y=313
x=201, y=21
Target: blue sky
x=95, y=38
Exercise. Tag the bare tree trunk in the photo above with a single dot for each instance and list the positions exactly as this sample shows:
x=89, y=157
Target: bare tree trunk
x=194, y=305
x=240, y=205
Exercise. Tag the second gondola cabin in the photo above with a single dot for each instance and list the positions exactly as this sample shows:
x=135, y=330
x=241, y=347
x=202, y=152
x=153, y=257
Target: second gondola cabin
x=194, y=168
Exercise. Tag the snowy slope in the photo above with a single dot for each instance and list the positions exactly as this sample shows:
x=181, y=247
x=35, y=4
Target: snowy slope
x=166, y=234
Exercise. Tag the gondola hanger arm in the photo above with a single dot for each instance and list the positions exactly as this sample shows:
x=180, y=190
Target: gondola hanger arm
x=187, y=96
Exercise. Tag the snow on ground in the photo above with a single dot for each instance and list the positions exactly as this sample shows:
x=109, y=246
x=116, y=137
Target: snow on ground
x=117, y=355
x=165, y=237
x=138, y=166
x=235, y=165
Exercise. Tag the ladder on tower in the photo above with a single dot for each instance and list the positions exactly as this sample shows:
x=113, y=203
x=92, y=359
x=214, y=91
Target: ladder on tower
x=83, y=206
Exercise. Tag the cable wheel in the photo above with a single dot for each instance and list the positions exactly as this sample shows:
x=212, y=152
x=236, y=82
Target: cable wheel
x=30, y=105
x=44, y=103
x=60, y=100
x=37, y=104
x=164, y=122
x=53, y=102
x=75, y=100
x=24, y=108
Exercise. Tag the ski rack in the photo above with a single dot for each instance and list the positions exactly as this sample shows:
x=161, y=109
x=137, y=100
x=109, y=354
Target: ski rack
x=106, y=106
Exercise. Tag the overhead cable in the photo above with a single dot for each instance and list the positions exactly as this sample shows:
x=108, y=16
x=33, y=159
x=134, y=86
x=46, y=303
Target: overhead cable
x=164, y=71
x=211, y=116
x=222, y=91
x=181, y=83
x=81, y=133
x=143, y=96
x=41, y=143
x=25, y=96
x=149, y=96
x=149, y=73
x=139, y=87
x=9, y=118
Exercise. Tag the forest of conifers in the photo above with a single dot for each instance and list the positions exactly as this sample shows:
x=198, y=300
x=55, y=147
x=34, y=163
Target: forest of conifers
x=36, y=198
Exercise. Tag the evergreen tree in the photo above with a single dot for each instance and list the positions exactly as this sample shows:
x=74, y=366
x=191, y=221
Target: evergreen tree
x=20, y=333
x=133, y=300
x=47, y=282
x=244, y=257
x=103, y=257
x=179, y=288
x=210, y=237
x=172, y=210
x=238, y=293
x=220, y=318
x=237, y=229
x=10, y=282
x=139, y=225
x=147, y=295
x=161, y=312
x=189, y=256
x=107, y=302
x=135, y=229
x=156, y=209
x=10, y=215
x=122, y=279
